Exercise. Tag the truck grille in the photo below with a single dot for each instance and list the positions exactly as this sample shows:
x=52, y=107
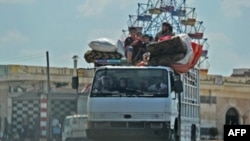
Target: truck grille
x=136, y=125
x=118, y=125
x=121, y=125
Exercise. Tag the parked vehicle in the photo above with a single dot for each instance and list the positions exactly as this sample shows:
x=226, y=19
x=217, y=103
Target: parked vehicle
x=74, y=128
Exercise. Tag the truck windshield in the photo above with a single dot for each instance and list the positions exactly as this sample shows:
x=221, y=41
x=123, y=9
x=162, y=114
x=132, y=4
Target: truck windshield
x=131, y=82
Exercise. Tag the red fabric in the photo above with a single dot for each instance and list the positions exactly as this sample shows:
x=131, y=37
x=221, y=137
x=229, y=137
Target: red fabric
x=138, y=38
x=86, y=88
x=165, y=38
x=182, y=68
x=142, y=63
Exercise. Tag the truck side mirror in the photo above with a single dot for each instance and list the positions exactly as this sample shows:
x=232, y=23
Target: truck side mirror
x=178, y=86
x=75, y=82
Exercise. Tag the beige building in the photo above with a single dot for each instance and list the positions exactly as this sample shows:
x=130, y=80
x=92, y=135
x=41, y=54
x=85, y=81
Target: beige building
x=224, y=100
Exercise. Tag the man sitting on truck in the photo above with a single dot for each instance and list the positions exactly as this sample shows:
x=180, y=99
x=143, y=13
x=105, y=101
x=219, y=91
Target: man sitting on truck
x=158, y=86
x=167, y=30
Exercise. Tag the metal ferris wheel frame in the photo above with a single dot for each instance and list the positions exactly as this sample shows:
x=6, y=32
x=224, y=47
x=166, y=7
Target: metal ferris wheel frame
x=150, y=15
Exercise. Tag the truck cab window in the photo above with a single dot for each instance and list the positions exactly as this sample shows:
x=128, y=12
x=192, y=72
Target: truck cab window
x=130, y=82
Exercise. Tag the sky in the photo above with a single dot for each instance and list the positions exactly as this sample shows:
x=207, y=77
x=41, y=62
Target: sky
x=29, y=28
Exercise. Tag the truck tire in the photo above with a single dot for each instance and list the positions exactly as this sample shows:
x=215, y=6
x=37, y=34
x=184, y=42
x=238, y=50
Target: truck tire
x=172, y=135
x=174, y=132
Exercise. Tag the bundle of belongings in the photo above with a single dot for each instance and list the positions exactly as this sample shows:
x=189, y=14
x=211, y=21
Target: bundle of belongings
x=104, y=48
x=178, y=52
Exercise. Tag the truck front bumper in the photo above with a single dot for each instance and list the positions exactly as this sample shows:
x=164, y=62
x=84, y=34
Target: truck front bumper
x=136, y=134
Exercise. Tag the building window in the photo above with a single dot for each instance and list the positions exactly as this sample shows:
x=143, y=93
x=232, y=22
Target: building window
x=208, y=99
x=64, y=71
x=204, y=131
x=232, y=117
x=42, y=71
x=60, y=71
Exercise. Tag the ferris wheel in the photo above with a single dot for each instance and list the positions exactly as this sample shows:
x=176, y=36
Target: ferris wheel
x=149, y=17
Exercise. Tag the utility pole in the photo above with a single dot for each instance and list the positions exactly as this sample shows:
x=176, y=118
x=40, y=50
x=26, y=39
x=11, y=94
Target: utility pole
x=75, y=73
x=179, y=89
x=179, y=117
x=48, y=99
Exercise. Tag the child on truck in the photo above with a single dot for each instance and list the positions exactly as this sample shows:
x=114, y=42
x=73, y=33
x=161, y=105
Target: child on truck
x=132, y=46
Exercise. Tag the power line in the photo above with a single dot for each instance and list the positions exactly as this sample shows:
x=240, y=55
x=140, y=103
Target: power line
x=25, y=58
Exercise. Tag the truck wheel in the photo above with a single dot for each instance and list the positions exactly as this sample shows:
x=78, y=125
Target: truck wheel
x=172, y=136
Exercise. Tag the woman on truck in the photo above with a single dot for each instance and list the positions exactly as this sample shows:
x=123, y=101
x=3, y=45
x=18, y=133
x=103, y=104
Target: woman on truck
x=122, y=85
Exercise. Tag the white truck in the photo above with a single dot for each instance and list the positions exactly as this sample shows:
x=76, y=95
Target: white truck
x=74, y=128
x=170, y=114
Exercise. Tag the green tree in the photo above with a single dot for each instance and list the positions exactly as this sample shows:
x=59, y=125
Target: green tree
x=213, y=132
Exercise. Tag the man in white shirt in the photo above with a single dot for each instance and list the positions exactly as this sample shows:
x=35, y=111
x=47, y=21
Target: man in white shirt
x=106, y=83
x=56, y=128
x=55, y=122
x=158, y=86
